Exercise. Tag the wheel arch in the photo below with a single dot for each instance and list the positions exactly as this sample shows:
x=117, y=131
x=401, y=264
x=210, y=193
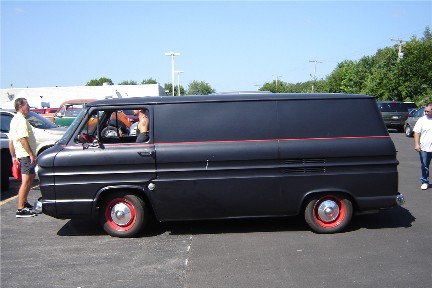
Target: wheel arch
x=103, y=193
x=324, y=192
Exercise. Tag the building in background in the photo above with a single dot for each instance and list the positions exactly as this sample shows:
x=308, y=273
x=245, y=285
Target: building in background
x=52, y=96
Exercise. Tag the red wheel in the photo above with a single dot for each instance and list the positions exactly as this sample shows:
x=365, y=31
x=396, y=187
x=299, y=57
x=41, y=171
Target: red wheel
x=123, y=215
x=329, y=213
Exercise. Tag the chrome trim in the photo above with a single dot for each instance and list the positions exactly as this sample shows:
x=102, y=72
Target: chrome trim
x=400, y=200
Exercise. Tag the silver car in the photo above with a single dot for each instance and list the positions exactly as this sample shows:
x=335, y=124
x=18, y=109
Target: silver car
x=46, y=132
x=412, y=120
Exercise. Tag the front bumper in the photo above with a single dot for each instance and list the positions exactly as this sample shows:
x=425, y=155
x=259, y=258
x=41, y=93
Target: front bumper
x=380, y=202
x=400, y=200
x=37, y=207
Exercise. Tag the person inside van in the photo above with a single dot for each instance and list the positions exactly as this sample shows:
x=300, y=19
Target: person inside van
x=143, y=126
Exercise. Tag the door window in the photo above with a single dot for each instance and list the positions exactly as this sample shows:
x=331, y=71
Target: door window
x=110, y=126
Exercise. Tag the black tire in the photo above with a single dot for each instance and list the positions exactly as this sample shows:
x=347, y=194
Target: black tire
x=408, y=131
x=4, y=180
x=6, y=169
x=330, y=213
x=123, y=215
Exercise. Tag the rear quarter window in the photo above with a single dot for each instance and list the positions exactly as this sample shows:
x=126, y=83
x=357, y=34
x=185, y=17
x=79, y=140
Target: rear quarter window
x=330, y=118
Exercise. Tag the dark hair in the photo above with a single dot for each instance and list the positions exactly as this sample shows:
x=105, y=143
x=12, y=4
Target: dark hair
x=19, y=102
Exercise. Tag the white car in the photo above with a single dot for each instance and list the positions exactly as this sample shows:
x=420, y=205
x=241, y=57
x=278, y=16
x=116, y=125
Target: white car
x=46, y=132
x=6, y=162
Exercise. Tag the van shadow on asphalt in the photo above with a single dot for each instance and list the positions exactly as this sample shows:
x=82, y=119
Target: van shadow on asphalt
x=392, y=218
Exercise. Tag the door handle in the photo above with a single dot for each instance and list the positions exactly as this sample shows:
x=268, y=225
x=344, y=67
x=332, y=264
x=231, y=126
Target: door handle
x=146, y=153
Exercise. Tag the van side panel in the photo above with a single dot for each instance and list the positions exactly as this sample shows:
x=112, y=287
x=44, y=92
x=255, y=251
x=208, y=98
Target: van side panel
x=216, y=160
x=341, y=146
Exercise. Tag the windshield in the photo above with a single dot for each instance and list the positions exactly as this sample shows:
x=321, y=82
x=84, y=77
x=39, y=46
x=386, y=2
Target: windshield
x=71, y=129
x=394, y=107
x=38, y=121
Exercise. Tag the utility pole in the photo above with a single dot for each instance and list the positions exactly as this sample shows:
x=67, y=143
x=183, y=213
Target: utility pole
x=314, y=73
x=277, y=78
x=400, y=53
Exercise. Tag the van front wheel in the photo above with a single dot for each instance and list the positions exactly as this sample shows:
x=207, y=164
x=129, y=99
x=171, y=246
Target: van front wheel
x=329, y=213
x=123, y=215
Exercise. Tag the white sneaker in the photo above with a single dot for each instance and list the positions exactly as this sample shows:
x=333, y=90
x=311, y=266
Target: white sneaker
x=424, y=186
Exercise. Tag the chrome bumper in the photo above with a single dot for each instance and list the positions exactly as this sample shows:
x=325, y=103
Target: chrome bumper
x=37, y=207
x=400, y=200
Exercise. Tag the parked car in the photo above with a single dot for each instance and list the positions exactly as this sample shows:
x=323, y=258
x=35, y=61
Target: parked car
x=395, y=113
x=68, y=111
x=38, y=110
x=48, y=113
x=46, y=132
x=412, y=120
x=230, y=156
x=6, y=162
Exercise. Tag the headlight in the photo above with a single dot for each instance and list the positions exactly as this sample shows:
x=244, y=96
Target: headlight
x=37, y=171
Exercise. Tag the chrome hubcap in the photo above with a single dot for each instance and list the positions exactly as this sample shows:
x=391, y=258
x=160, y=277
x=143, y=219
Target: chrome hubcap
x=121, y=214
x=328, y=211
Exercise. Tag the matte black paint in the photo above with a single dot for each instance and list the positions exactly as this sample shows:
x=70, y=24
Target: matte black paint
x=224, y=156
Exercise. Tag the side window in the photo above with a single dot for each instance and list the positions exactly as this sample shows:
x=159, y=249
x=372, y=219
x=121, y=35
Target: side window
x=420, y=112
x=5, y=123
x=111, y=126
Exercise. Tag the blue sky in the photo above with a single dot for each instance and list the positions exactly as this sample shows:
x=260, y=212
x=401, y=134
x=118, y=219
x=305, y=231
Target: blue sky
x=232, y=45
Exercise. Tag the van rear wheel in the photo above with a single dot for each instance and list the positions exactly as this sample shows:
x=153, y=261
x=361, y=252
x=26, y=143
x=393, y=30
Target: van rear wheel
x=123, y=215
x=329, y=213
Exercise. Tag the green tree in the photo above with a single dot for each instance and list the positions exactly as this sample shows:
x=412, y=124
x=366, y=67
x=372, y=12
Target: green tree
x=274, y=87
x=199, y=88
x=168, y=89
x=99, y=82
x=128, y=82
x=149, y=81
x=415, y=70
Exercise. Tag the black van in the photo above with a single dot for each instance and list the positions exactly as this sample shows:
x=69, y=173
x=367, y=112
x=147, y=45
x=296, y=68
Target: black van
x=224, y=156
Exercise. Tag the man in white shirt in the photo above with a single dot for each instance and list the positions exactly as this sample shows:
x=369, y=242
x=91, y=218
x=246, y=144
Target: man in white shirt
x=423, y=144
x=22, y=146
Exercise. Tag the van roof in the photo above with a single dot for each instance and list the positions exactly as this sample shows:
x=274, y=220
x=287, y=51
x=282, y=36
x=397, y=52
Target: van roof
x=224, y=98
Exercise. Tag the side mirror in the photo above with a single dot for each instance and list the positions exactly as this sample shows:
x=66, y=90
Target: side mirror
x=59, y=115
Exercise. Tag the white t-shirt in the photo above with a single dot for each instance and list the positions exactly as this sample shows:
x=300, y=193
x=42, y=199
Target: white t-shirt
x=424, y=128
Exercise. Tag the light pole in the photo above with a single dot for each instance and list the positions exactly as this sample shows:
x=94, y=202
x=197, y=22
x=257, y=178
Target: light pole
x=178, y=81
x=172, y=54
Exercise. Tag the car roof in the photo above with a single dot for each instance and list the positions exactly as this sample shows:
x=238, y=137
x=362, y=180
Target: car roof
x=77, y=101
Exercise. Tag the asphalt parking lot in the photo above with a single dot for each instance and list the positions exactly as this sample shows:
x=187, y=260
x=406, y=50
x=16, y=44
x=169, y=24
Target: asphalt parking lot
x=389, y=249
